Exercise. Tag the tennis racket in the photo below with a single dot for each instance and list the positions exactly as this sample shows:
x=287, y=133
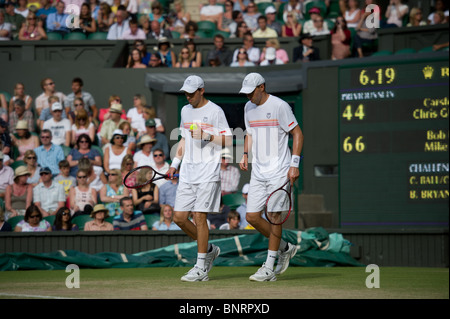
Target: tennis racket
x=143, y=175
x=279, y=204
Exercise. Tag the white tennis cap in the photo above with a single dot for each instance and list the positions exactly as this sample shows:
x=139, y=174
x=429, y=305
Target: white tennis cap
x=192, y=84
x=251, y=81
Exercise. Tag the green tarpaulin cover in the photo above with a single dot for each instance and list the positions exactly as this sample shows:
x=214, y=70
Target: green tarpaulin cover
x=316, y=248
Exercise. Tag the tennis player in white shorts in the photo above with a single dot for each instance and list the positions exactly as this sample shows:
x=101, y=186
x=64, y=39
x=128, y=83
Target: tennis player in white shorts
x=269, y=121
x=204, y=131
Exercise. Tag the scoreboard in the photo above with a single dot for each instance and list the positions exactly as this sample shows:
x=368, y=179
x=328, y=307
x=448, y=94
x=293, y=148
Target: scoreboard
x=394, y=144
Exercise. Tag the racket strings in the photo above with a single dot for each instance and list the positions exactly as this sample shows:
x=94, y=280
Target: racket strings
x=139, y=177
x=278, y=206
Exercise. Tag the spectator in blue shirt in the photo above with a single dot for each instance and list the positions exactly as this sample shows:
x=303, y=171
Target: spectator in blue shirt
x=129, y=219
x=56, y=21
x=45, y=10
x=48, y=154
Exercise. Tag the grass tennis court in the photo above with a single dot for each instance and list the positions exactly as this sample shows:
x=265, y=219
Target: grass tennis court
x=229, y=283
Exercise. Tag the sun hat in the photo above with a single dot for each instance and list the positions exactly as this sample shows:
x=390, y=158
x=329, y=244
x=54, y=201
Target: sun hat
x=226, y=153
x=251, y=81
x=100, y=208
x=21, y=171
x=192, y=84
x=146, y=139
x=118, y=132
x=22, y=125
x=116, y=108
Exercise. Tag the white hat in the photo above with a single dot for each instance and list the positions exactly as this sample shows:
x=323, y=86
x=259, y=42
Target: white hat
x=56, y=106
x=192, y=84
x=226, y=153
x=251, y=81
x=270, y=9
x=22, y=125
x=245, y=188
x=271, y=53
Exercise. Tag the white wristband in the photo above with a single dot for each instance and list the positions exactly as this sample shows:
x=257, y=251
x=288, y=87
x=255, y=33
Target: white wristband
x=175, y=163
x=295, y=161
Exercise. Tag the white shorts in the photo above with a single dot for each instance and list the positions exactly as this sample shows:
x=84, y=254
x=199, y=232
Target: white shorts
x=259, y=191
x=203, y=197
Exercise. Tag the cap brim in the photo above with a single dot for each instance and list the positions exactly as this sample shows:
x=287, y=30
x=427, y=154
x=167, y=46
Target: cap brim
x=247, y=89
x=188, y=89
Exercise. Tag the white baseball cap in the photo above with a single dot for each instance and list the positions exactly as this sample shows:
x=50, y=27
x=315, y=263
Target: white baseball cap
x=270, y=9
x=56, y=106
x=251, y=81
x=192, y=84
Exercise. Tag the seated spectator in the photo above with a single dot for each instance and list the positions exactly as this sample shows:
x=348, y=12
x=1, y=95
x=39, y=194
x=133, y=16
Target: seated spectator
x=16, y=20
x=130, y=141
x=48, y=195
x=271, y=58
x=251, y=16
x=127, y=165
x=5, y=28
x=271, y=14
x=32, y=166
x=352, y=13
x=120, y=27
x=78, y=92
x=87, y=22
x=145, y=155
x=5, y=138
x=179, y=17
x=292, y=28
x=216, y=220
x=220, y=51
x=63, y=221
x=439, y=18
x=242, y=209
x=23, y=140
x=242, y=59
x=48, y=154
x=211, y=12
x=168, y=192
x=22, y=8
x=279, y=51
x=82, y=197
x=96, y=177
x=64, y=178
x=111, y=124
x=395, y=13
x=146, y=198
x=105, y=113
x=263, y=31
x=150, y=113
x=129, y=219
x=61, y=128
x=135, y=60
x=161, y=139
x=42, y=101
x=99, y=214
x=105, y=17
x=184, y=60
x=165, y=50
x=340, y=40
x=161, y=166
x=157, y=14
x=82, y=124
x=194, y=54
x=19, y=195
x=229, y=174
x=19, y=94
x=190, y=31
x=134, y=32
x=46, y=114
x=112, y=192
x=166, y=220
x=156, y=61
x=32, y=30
x=56, y=21
x=439, y=5
x=416, y=18
x=308, y=26
x=33, y=221
x=20, y=114
x=306, y=51
x=157, y=31
x=115, y=151
x=319, y=27
x=295, y=7
x=83, y=149
x=46, y=8
x=233, y=221
x=226, y=19
x=253, y=52
x=4, y=225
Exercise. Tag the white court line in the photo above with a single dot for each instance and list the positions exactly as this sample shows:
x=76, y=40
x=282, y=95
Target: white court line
x=33, y=296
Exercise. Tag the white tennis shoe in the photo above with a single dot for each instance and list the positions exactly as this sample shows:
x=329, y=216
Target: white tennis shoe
x=263, y=274
x=284, y=258
x=211, y=256
x=196, y=274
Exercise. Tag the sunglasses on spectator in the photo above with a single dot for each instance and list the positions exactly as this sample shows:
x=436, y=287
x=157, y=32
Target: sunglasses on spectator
x=79, y=104
x=113, y=174
x=31, y=157
x=83, y=176
x=84, y=141
x=158, y=155
x=50, y=83
x=34, y=216
x=44, y=137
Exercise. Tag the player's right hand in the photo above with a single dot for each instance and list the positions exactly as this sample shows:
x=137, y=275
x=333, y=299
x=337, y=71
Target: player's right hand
x=170, y=172
x=243, y=164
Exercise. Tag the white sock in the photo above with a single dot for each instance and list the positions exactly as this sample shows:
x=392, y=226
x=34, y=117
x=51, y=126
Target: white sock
x=201, y=258
x=271, y=257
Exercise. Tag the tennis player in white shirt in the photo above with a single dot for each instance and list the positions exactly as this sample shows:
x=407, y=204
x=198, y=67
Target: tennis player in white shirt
x=269, y=121
x=204, y=131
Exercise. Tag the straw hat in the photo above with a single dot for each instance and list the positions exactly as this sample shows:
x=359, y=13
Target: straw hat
x=116, y=108
x=146, y=139
x=100, y=208
x=21, y=171
x=22, y=125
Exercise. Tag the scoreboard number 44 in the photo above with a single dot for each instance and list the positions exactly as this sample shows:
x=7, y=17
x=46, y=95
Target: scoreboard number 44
x=359, y=112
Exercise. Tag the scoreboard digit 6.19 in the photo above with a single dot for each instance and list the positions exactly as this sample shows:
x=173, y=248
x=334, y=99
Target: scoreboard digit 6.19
x=393, y=138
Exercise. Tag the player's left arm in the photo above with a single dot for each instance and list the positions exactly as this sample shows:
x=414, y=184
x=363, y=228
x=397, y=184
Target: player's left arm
x=297, y=146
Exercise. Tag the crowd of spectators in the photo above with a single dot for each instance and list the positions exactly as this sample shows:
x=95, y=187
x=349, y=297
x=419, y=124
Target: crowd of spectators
x=139, y=20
